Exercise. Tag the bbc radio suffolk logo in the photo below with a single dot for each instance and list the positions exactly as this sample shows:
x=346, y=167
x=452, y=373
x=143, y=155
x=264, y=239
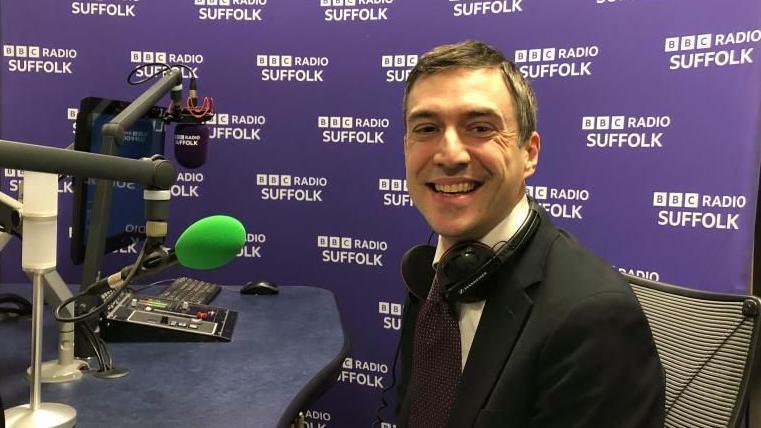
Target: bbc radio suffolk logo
x=489, y=7
x=38, y=59
x=353, y=130
x=695, y=210
x=189, y=185
x=236, y=128
x=356, y=10
x=391, y=315
x=254, y=246
x=625, y=132
x=230, y=10
x=116, y=8
x=286, y=187
x=396, y=68
x=365, y=373
x=15, y=181
x=559, y=202
x=394, y=192
x=556, y=62
x=315, y=418
x=290, y=68
x=71, y=114
x=190, y=60
x=642, y=273
x=349, y=250
x=708, y=50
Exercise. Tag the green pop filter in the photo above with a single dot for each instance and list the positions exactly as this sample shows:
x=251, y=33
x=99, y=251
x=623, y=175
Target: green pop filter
x=210, y=242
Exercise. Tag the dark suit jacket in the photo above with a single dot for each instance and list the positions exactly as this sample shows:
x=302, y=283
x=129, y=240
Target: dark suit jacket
x=562, y=343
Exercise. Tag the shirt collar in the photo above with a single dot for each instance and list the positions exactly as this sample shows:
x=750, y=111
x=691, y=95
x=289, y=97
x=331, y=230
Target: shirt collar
x=503, y=231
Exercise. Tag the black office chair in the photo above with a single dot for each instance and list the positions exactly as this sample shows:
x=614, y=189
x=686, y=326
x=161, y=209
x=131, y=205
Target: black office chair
x=707, y=344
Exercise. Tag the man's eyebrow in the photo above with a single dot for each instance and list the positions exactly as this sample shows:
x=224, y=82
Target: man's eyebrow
x=470, y=114
x=421, y=114
x=485, y=112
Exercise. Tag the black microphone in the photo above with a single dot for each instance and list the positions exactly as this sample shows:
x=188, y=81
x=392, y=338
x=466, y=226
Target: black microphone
x=191, y=144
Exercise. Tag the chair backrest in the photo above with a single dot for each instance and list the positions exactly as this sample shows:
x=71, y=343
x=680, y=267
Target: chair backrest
x=707, y=344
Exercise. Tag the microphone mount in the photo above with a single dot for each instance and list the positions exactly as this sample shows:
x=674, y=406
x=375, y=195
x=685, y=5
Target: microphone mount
x=185, y=117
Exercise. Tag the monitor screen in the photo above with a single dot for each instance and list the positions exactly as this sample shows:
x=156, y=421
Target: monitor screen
x=145, y=138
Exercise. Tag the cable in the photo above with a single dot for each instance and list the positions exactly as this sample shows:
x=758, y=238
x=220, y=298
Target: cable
x=116, y=292
x=109, y=362
x=166, y=67
x=207, y=106
x=141, y=289
x=206, y=109
x=89, y=334
x=384, y=404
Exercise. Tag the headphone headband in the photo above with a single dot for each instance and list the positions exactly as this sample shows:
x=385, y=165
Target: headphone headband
x=522, y=235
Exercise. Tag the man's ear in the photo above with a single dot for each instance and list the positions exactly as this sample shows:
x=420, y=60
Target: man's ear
x=531, y=153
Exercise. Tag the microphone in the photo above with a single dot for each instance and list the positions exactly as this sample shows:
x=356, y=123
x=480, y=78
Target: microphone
x=191, y=144
x=208, y=243
x=191, y=135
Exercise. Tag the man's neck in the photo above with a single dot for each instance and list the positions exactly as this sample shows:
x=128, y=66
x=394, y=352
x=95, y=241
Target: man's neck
x=503, y=231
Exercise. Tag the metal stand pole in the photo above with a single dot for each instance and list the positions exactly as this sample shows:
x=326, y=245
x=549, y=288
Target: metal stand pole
x=37, y=414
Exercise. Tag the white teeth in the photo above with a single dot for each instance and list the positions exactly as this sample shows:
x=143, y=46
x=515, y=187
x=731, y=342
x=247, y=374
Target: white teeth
x=455, y=188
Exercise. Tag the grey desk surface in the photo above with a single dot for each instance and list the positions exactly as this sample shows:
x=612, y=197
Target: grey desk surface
x=286, y=349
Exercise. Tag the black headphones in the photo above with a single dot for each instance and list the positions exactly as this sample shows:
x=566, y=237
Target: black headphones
x=465, y=270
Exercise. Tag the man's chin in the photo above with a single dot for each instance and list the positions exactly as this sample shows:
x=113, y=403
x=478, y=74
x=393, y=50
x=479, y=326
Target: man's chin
x=455, y=233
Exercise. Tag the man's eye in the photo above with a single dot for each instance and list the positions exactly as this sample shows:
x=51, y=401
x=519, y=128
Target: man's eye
x=424, y=129
x=482, y=129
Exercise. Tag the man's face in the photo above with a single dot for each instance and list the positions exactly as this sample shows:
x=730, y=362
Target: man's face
x=465, y=168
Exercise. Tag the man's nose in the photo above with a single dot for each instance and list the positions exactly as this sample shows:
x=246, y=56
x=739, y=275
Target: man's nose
x=451, y=151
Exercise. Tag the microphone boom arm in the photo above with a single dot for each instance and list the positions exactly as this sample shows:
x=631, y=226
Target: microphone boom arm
x=115, y=129
x=157, y=173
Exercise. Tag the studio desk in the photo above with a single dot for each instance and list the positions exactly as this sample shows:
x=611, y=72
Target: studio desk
x=286, y=349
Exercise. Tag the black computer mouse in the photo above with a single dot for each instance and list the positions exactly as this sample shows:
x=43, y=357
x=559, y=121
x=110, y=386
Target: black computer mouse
x=259, y=287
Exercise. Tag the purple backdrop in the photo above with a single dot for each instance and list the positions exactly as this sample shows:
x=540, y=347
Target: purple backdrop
x=649, y=116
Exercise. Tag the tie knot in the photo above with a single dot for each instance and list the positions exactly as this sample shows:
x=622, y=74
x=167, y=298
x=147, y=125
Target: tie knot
x=436, y=295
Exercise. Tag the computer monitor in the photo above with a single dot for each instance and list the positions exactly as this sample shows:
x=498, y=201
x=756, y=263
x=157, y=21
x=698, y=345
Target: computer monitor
x=127, y=217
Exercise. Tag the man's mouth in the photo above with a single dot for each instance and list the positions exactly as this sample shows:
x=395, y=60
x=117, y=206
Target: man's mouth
x=456, y=188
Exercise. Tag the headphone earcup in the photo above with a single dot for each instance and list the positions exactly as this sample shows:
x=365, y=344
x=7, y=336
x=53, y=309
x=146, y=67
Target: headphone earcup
x=464, y=272
x=417, y=270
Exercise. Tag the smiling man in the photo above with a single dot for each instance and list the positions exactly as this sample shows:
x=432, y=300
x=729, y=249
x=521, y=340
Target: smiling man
x=538, y=333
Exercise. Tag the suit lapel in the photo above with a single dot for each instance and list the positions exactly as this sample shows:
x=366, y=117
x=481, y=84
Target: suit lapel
x=505, y=313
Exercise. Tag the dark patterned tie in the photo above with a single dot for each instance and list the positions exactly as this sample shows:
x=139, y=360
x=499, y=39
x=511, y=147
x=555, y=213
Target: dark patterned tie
x=436, y=363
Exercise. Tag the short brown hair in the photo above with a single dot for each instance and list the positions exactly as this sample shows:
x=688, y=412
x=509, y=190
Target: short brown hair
x=476, y=54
